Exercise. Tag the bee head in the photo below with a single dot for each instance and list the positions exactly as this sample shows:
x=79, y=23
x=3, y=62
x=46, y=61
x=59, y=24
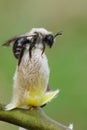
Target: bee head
x=49, y=40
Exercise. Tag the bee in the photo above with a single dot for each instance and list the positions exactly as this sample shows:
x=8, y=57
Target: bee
x=30, y=40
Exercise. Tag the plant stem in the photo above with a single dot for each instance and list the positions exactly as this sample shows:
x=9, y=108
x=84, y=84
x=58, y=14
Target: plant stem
x=34, y=119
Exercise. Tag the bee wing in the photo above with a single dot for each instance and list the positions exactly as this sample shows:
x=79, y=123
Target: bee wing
x=12, y=40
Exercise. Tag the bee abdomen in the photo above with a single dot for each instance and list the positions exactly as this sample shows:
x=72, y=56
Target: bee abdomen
x=17, y=47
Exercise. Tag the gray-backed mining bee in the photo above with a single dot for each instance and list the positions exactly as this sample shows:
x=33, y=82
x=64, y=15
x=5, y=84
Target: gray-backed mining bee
x=36, y=38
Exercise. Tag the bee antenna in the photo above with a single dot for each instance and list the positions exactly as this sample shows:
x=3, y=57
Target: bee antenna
x=57, y=34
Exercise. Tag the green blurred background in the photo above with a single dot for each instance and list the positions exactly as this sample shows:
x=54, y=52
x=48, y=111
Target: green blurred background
x=67, y=59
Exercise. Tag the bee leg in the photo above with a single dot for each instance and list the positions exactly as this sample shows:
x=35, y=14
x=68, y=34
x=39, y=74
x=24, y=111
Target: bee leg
x=43, y=48
x=30, y=49
x=21, y=55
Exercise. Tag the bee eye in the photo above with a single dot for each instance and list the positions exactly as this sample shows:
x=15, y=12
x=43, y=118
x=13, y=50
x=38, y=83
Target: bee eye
x=49, y=39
